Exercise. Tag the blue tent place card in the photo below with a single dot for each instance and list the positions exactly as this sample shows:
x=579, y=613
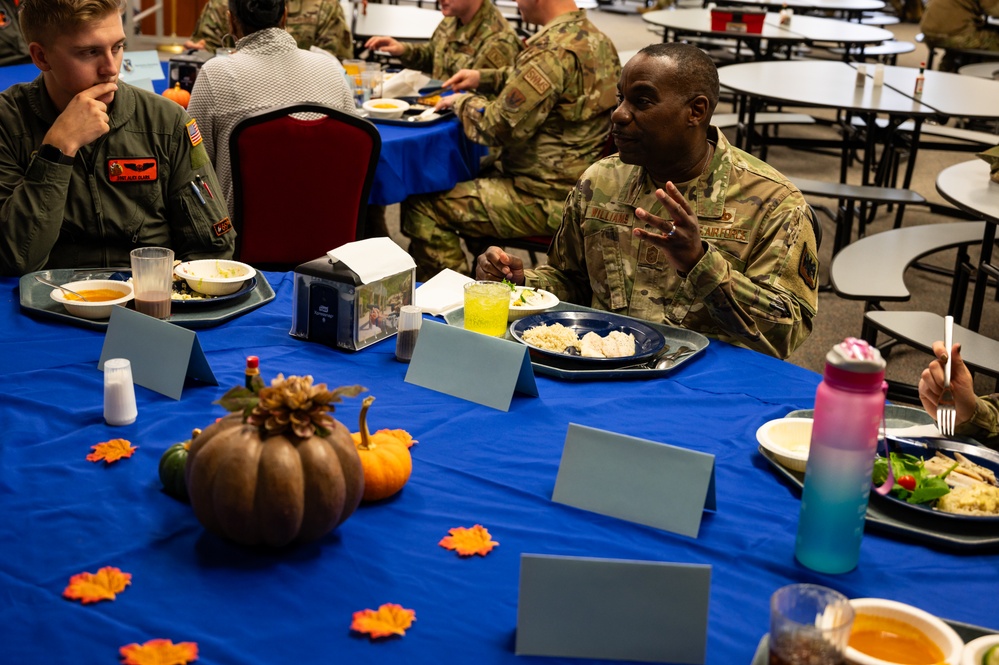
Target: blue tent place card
x=634, y=479
x=482, y=369
x=576, y=607
x=162, y=355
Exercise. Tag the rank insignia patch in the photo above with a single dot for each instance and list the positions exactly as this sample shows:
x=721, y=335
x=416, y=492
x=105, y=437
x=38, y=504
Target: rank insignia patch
x=194, y=132
x=808, y=267
x=132, y=169
x=222, y=227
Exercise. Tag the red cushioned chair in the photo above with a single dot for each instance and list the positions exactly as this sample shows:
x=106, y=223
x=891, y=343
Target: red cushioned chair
x=300, y=186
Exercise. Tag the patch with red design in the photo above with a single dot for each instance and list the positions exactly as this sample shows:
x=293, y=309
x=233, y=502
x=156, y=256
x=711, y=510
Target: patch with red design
x=222, y=227
x=193, y=132
x=4, y=19
x=132, y=169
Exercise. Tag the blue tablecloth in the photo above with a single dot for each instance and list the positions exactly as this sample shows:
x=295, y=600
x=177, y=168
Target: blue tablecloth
x=473, y=465
x=413, y=160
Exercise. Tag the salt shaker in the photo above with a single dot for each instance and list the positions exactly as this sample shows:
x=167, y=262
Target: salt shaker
x=879, y=75
x=119, y=392
x=410, y=320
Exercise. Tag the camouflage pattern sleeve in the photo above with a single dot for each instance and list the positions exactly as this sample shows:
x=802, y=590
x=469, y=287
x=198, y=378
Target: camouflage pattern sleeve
x=419, y=56
x=212, y=25
x=770, y=305
x=532, y=89
x=984, y=423
x=332, y=33
x=566, y=274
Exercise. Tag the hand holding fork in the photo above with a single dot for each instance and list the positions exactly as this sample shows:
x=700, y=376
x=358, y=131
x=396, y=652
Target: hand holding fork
x=946, y=411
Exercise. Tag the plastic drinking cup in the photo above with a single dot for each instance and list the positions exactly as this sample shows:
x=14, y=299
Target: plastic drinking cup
x=353, y=67
x=119, y=392
x=152, y=280
x=487, y=305
x=809, y=625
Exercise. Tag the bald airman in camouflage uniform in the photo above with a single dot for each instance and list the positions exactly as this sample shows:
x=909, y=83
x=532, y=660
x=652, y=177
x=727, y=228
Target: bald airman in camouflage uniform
x=960, y=24
x=319, y=23
x=486, y=41
x=550, y=116
x=681, y=227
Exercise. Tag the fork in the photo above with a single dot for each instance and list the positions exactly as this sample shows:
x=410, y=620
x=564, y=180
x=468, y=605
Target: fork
x=946, y=413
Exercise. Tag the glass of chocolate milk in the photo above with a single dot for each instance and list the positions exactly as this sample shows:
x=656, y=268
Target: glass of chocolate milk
x=152, y=280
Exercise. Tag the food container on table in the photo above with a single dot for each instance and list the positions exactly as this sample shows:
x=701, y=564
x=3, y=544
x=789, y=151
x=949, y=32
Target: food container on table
x=93, y=310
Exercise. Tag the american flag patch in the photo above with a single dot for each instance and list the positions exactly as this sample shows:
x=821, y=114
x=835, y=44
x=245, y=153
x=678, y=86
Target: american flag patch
x=194, y=132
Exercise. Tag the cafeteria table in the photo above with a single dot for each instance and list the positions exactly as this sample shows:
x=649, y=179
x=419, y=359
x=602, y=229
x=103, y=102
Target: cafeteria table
x=801, y=30
x=473, y=465
x=967, y=185
x=851, y=9
x=415, y=159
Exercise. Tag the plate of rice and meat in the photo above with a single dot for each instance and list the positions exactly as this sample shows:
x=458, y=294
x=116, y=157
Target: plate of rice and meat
x=588, y=338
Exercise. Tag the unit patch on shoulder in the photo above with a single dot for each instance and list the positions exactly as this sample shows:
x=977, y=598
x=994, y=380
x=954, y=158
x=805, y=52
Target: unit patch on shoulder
x=537, y=80
x=222, y=227
x=494, y=57
x=132, y=169
x=514, y=99
x=193, y=132
x=808, y=267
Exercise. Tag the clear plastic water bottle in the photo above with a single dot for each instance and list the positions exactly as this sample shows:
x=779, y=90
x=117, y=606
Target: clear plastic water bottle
x=849, y=408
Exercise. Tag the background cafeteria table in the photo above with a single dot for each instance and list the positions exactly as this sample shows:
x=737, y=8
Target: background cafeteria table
x=473, y=465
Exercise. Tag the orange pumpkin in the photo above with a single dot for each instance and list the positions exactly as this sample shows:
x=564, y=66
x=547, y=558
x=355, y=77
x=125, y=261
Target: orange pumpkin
x=178, y=94
x=384, y=457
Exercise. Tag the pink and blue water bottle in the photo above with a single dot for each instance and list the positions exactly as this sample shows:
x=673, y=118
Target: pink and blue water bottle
x=849, y=409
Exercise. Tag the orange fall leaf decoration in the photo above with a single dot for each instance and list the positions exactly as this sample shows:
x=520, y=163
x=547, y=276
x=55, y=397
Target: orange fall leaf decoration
x=105, y=584
x=390, y=619
x=111, y=451
x=159, y=652
x=467, y=542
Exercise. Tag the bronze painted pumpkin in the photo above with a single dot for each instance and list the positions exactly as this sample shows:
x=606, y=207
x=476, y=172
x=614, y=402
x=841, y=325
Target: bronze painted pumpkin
x=282, y=471
x=384, y=456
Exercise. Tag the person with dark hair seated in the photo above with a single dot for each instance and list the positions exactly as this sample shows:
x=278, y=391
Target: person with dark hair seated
x=267, y=69
x=319, y=23
x=13, y=48
x=473, y=35
x=90, y=167
x=680, y=227
x=977, y=417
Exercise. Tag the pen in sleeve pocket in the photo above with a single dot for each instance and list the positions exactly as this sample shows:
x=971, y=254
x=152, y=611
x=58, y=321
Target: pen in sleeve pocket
x=197, y=192
x=204, y=184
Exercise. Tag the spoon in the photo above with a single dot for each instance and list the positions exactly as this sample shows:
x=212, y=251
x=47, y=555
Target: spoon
x=61, y=288
x=423, y=116
x=670, y=360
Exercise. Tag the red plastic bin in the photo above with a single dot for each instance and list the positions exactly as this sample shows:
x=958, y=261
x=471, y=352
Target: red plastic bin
x=735, y=20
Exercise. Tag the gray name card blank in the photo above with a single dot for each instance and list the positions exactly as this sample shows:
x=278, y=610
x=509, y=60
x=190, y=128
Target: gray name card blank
x=616, y=609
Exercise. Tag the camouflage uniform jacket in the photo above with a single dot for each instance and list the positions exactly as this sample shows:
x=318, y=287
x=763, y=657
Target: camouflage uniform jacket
x=129, y=188
x=948, y=18
x=487, y=42
x=984, y=423
x=755, y=286
x=552, y=113
x=13, y=47
x=319, y=23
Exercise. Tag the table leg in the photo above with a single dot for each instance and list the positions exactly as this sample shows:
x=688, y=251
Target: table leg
x=985, y=268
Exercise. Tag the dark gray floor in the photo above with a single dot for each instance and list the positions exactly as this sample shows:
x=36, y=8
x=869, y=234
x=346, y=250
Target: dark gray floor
x=838, y=318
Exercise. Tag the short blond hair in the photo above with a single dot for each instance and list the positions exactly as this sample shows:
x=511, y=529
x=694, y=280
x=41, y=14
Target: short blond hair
x=42, y=20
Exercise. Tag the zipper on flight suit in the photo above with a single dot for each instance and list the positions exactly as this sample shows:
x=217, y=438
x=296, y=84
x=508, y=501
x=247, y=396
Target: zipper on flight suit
x=91, y=163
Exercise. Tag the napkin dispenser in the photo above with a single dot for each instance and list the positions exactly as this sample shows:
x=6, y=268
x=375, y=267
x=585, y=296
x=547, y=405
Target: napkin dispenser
x=184, y=68
x=332, y=305
x=738, y=19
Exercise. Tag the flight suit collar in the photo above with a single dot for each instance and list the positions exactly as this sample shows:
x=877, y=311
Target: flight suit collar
x=121, y=109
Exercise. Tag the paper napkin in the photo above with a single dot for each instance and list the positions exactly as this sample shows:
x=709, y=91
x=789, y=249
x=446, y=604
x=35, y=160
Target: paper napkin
x=406, y=83
x=373, y=259
x=442, y=293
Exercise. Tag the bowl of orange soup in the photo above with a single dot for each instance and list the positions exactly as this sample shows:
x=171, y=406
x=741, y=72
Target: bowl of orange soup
x=101, y=295
x=886, y=632
x=386, y=109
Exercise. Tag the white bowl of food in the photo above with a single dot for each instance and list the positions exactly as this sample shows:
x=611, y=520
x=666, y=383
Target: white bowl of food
x=101, y=295
x=887, y=632
x=788, y=439
x=386, y=108
x=215, y=277
x=982, y=651
x=525, y=300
